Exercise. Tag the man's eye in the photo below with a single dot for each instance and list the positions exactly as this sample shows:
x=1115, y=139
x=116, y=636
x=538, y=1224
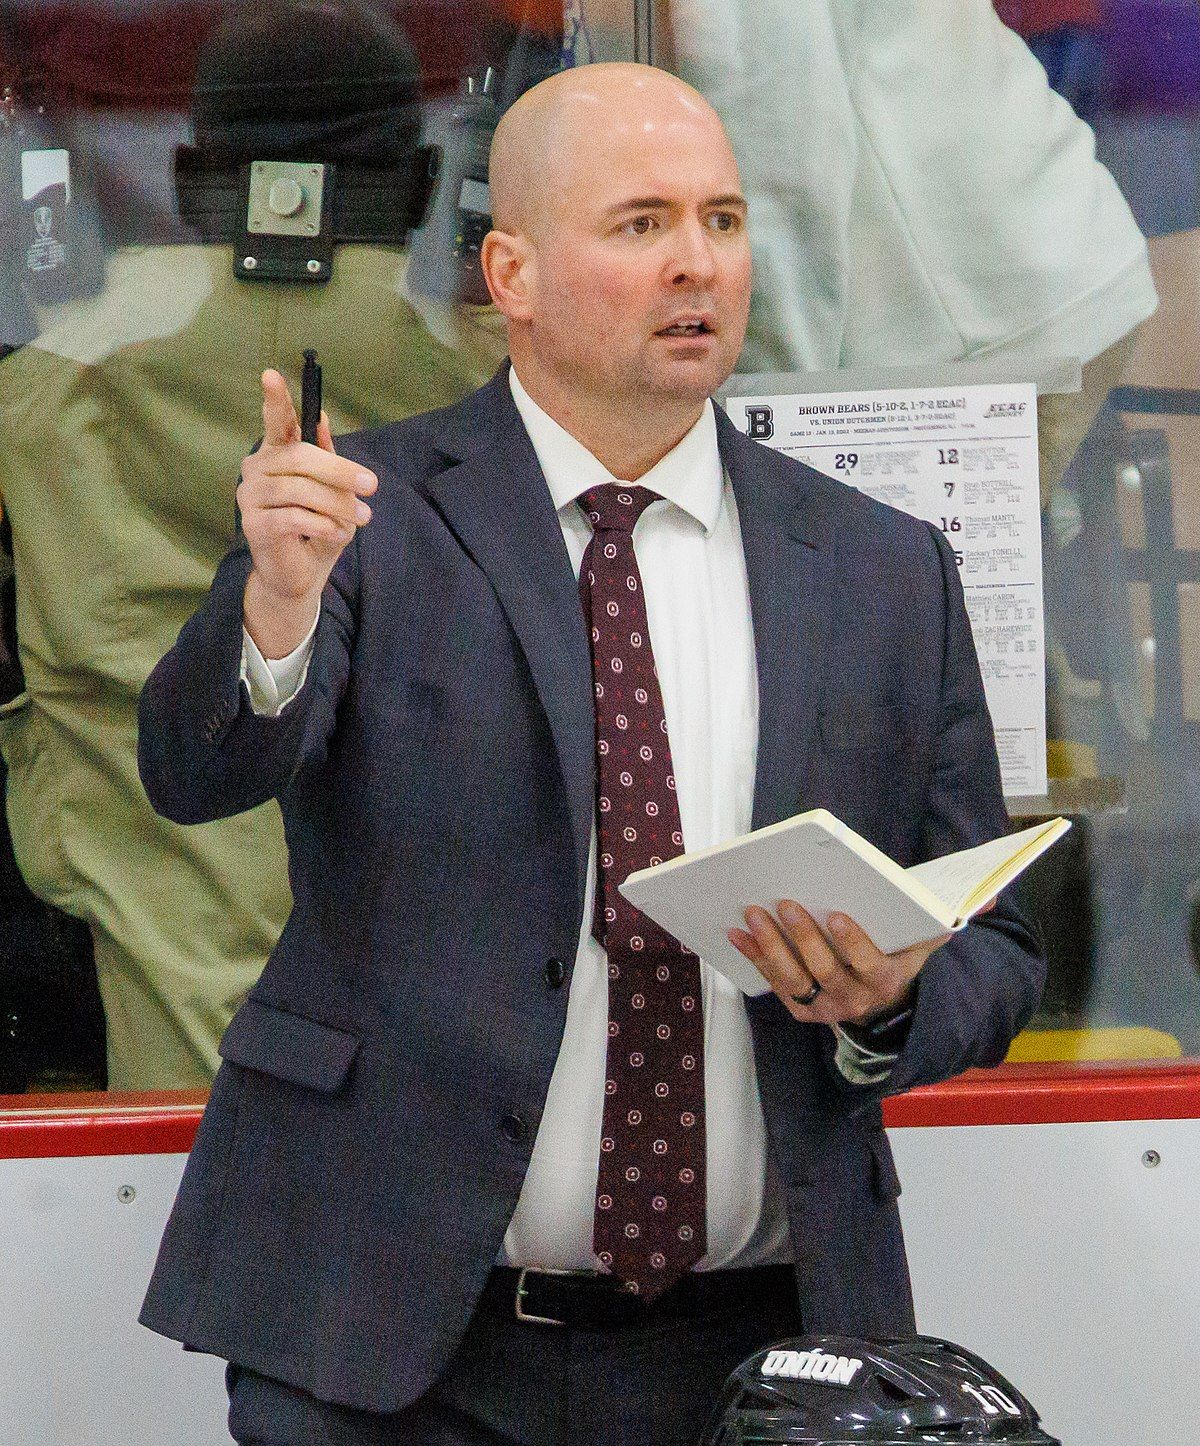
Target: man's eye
x=724, y=220
x=640, y=225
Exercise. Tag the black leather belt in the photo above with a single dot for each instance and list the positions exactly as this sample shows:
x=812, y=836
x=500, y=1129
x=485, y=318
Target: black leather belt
x=584, y=1301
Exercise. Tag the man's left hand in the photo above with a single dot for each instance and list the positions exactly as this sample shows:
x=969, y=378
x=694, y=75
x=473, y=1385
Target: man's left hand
x=854, y=982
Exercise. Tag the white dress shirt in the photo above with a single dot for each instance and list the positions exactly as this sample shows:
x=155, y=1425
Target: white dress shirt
x=689, y=552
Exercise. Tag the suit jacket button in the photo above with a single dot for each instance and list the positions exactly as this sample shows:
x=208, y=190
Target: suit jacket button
x=555, y=972
x=513, y=1128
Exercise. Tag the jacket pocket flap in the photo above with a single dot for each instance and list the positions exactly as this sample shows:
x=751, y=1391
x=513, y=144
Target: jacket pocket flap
x=886, y=1181
x=848, y=1155
x=290, y=1047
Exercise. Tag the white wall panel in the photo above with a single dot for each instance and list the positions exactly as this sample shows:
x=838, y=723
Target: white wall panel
x=76, y=1369
x=1056, y=1254
x=1052, y=1250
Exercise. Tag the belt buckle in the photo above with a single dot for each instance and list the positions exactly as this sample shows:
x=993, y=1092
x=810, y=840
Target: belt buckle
x=523, y=1290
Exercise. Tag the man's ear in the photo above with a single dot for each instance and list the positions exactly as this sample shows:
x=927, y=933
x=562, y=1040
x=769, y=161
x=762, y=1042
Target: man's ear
x=508, y=264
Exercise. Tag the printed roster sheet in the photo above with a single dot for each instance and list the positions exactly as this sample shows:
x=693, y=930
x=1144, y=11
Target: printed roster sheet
x=964, y=458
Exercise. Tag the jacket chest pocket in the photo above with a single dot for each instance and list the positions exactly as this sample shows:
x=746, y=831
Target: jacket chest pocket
x=866, y=727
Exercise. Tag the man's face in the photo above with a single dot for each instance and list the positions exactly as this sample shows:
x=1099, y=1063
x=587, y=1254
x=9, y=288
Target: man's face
x=641, y=267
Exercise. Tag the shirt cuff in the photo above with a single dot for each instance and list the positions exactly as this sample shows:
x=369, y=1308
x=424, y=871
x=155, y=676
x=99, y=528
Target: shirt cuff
x=273, y=683
x=858, y=1064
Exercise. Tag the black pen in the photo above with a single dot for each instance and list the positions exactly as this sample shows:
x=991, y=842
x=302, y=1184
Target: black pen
x=310, y=398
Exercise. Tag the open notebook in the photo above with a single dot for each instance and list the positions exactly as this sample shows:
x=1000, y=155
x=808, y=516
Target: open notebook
x=824, y=865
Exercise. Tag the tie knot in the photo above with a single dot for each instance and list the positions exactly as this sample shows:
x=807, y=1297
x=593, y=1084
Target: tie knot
x=615, y=507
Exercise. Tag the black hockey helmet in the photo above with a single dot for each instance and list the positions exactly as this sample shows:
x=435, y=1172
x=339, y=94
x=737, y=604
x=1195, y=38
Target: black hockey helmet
x=844, y=1391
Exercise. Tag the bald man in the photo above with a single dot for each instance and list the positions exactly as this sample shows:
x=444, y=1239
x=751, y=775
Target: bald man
x=491, y=1159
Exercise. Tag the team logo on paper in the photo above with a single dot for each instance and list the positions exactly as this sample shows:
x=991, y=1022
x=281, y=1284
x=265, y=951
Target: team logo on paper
x=760, y=423
x=46, y=254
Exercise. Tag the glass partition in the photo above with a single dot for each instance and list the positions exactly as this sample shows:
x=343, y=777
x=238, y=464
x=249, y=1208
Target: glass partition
x=927, y=178
x=195, y=191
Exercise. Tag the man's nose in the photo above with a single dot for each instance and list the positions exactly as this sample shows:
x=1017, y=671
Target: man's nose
x=693, y=258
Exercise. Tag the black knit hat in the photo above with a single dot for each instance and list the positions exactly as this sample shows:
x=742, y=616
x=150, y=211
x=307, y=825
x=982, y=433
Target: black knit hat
x=317, y=80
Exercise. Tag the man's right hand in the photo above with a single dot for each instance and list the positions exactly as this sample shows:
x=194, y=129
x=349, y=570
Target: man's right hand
x=300, y=505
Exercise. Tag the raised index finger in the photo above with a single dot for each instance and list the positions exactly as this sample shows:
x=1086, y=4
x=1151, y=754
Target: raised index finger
x=281, y=425
x=301, y=459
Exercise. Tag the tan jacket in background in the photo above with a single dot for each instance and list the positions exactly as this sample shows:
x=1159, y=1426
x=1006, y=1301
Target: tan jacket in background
x=124, y=427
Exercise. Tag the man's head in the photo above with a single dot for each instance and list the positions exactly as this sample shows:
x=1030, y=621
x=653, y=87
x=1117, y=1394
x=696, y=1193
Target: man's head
x=619, y=254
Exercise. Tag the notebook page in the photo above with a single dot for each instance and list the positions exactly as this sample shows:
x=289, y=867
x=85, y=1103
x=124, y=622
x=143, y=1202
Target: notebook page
x=953, y=877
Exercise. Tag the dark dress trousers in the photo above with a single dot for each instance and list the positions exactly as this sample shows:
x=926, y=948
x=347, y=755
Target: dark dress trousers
x=370, y=1128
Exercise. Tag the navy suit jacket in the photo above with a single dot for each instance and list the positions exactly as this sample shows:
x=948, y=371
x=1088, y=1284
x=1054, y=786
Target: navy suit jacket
x=370, y=1128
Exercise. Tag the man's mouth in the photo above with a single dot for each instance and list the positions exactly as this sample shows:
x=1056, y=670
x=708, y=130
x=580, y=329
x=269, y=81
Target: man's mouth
x=694, y=326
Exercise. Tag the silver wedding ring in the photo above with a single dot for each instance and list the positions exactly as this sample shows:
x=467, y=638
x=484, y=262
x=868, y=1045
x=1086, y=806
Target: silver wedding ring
x=810, y=996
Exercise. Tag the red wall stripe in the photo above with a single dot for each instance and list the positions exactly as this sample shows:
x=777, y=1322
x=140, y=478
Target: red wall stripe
x=53, y=1126
x=1047, y=1094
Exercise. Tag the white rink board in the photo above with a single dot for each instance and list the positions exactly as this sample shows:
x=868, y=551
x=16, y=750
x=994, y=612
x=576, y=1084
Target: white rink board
x=76, y=1369
x=1057, y=1255
x=1051, y=1250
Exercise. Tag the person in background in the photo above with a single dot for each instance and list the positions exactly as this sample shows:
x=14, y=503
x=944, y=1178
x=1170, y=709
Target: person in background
x=114, y=546
x=920, y=195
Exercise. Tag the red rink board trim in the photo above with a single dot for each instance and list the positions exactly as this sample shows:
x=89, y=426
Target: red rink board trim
x=1050, y=1094
x=53, y=1126
x=58, y=1126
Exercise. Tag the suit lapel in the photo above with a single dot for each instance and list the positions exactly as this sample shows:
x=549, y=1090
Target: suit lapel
x=788, y=523
x=496, y=501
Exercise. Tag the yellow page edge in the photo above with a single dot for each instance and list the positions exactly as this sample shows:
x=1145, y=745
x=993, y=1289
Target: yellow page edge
x=1002, y=873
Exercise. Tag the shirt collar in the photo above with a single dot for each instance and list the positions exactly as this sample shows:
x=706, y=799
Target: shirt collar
x=690, y=475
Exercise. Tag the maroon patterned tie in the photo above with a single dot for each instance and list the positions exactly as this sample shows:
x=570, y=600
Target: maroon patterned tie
x=650, y=1197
